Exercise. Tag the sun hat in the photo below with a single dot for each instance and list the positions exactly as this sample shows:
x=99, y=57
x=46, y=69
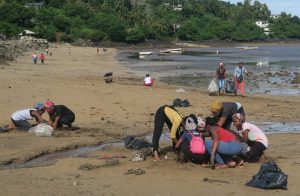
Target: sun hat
x=49, y=104
x=216, y=106
x=39, y=106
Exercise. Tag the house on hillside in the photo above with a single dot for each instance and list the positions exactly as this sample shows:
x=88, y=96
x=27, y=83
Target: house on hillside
x=264, y=25
x=26, y=34
x=37, y=5
x=275, y=16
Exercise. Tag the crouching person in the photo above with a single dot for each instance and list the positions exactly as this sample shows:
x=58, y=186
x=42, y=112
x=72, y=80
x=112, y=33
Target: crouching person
x=223, y=145
x=59, y=115
x=253, y=136
x=20, y=118
x=191, y=145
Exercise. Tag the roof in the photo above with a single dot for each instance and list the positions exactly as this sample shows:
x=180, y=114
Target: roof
x=27, y=32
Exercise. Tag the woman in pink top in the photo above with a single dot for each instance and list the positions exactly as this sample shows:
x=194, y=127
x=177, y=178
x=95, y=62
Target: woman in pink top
x=255, y=138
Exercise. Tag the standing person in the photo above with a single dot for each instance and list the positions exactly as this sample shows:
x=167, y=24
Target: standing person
x=20, y=118
x=223, y=111
x=220, y=75
x=148, y=81
x=173, y=119
x=59, y=115
x=34, y=58
x=47, y=51
x=97, y=51
x=42, y=58
x=223, y=145
x=239, y=76
x=190, y=144
x=255, y=138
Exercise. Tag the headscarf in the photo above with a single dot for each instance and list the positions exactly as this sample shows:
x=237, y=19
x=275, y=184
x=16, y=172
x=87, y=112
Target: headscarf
x=39, y=106
x=239, y=116
x=190, y=124
x=216, y=106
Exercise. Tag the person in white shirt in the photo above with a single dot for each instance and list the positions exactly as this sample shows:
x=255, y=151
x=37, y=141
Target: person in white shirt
x=148, y=81
x=254, y=136
x=19, y=118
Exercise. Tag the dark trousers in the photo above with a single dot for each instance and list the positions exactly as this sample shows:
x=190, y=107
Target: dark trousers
x=257, y=150
x=159, y=121
x=21, y=124
x=65, y=120
x=195, y=158
x=229, y=119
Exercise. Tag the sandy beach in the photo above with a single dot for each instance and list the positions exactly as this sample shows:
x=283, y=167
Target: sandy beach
x=73, y=76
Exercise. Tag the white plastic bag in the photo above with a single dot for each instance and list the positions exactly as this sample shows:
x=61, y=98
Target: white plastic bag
x=213, y=87
x=42, y=130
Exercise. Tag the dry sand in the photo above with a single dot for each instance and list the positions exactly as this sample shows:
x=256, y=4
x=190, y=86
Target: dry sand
x=73, y=76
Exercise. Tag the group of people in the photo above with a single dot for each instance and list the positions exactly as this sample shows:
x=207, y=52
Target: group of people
x=211, y=141
x=239, y=76
x=41, y=57
x=59, y=116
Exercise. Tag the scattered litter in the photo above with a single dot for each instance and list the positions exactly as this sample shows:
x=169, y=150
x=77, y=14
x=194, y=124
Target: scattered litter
x=180, y=90
x=181, y=103
x=111, y=157
x=108, y=77
x=135, y=171
x=42, y=130
x=141, y=155
x=132, y=143
x=215, y=181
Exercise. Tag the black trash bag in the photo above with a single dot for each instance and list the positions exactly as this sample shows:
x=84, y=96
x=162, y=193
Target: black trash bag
x=229, y=86
x=135, y=144
x=177, y=102
x=269, y=176
x=185, y=103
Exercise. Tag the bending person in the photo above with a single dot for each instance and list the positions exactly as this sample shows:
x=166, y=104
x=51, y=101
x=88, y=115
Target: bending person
x=224, y=111
x=168, y=115
x=222, y=146
x=255, y=138
x=59, y=115
x=20, y=118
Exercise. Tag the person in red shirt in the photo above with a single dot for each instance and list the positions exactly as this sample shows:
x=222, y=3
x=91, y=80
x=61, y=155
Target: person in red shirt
x=223, y=144
x=42, y=58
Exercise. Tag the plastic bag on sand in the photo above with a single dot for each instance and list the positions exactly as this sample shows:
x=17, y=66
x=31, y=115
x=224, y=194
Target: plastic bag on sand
x=213, y=87
x=269, y=176
x=42, y=130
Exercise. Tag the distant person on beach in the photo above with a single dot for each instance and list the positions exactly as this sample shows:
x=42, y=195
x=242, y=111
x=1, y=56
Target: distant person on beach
x=148, y=80
x=191, y=144
x=59, y=115
x=34, y=58
x=47, y=51
x=223, y=111
x=253, y=136
x=97, y=51
x=42, y=58
x=20, y=118
x=173, y=119
x=50, y=52
x=239, y=75
x=223, y=145
x=220, y=75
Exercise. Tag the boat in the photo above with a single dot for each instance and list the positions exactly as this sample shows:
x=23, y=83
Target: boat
x=248, y=47
x=144, y=54
x=171, y=51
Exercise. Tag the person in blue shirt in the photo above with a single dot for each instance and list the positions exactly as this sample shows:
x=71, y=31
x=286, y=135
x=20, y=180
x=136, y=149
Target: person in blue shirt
x=239, y=75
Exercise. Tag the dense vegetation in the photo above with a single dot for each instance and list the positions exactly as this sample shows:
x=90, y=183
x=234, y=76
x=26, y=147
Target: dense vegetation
x=138, y=21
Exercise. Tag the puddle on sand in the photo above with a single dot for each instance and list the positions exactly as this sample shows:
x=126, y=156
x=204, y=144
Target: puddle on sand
x=50, y=159
x=276, y=127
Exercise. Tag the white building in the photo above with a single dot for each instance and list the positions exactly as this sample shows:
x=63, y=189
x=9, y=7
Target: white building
x=264, y=25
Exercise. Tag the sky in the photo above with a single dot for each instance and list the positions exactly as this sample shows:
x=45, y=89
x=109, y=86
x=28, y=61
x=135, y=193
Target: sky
x=277, y=6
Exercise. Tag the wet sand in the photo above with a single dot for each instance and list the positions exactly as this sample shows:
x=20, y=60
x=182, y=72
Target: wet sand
x=74, y=76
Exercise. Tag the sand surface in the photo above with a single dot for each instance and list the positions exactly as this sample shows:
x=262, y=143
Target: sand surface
x=73, y=76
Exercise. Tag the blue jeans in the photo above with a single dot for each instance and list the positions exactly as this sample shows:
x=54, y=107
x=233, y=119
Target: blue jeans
x=221, y=83
x=225, y=148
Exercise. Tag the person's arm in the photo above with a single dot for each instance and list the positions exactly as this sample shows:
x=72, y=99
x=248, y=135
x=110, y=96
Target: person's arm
x=245, y=135
x=37, y=116
x=57, y=118
x=215, y=145
x=222, y=120
x=178, y=143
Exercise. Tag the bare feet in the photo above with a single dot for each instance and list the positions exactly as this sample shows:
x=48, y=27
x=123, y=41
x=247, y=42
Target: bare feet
x=221, y=166
x=231, y=164
x=156, y=157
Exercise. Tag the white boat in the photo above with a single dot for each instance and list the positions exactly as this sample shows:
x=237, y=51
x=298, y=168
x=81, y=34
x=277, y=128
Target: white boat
x=145, y=53
x=171, y=51
x=248, y=47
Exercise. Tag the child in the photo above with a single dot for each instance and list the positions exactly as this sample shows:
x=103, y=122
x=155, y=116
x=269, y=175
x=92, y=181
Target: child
x=190, y=144
x=148, y=81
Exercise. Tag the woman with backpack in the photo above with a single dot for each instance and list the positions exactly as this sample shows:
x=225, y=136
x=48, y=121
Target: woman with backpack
x=173, y=119
x=222, y=146
x=191, y=144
